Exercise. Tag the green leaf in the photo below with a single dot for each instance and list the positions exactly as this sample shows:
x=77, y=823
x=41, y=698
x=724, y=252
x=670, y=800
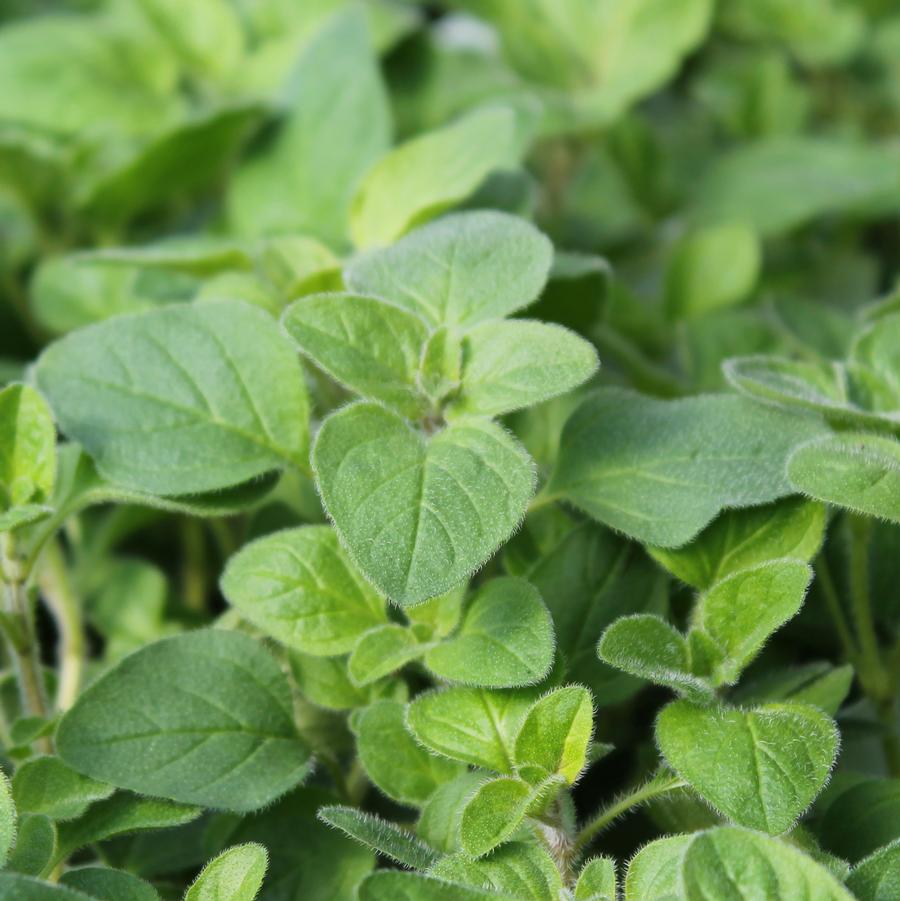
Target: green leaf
x=768, y=869
x=493, y=814
x=393, y=760
x=739, y=539
x=405, y=505
x=214, y=692
x=521, y=869
x=463, y=269
x=35, y=845
x=862, y=819
x=877, y=877
x=505, y=639
x=762, y=768
x=7, y=819
x=659, y=471
x=648, y=647
x=740, y=612
x=299, y=587
x=470, y=725
x=380, y=835
x=105, y=884
x=712, y=268
x=555, y=735
x=186, y=399
x=27, y=448
x=366, y=344
x=326, y=682
x=430, y=173
x=46, y=785
x=235, y=875
x=200, y=255
x=338, y=125
x=857, y=471
x=653, y=873
x=597, y=880
x=395, y=885
x=17, y=887
x=381, y=651
x=509, y=365
x=121, y=814
x=819, y=684
x=441, y=814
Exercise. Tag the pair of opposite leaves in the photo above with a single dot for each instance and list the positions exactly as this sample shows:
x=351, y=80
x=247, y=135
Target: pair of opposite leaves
x=198, y=398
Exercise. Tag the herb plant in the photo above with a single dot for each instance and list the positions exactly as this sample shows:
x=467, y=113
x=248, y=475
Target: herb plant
x=450, y=451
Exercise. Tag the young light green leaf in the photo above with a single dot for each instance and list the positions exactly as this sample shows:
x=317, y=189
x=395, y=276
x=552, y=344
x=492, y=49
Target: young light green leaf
x=46, y=785
x=211, y=691
x=493, y=814
x=7, y=819
x=469, y=724
x=392, y=759
x=184, y=399
x=509, y=365
x=27, y=448
x=440, y=368
x=762, y=768
x=235, y=875
x=648, y=647
x=738, y=539
x=877, y=877
x=555, y=735
x=338, y=125
x=430, y=173
x=441, y=814
x=326, y=682
x=661, y=470
x=419, y=514
x=712, y=268
x=106, y=884
x=744, y=609
x=463, y=269
x=299, y=587
x=654, y=872
x=380, y=835
x=366, y=344
x=381, y=651
x=768, y=869
x=520, y=869
x=597, y=880
x=857, y=471
x=35, y=845
x=505, y=639
x=396, y=885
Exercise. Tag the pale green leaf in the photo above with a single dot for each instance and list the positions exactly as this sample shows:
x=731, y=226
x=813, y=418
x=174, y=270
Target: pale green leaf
x=181, y=400
x=509, y=365
x=493, y=814
x=653, y=873
x=857, y=471
x=234, y=875
x=762, y=768
x=299, y=587
x=366, y=344
x=597, y=880
x=46, y=785
x=7, y=819
x=661, y=470
x=325, y=682
x=418, y=514
x=214, y=692
x=430, y=173
x=461, y=270
x=441, y=814
x=27, y=448
x=382, y=650
x=505, y=639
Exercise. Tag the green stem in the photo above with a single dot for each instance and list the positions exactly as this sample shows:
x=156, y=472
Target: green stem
x=833, y=603
x=661, y=783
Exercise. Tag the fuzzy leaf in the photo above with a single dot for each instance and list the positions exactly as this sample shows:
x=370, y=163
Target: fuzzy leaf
x=430, y=173
x=858, y=471
x=505, y=639
x=299, y=587
x=381, y=651
x=508, y=365
x=234, y=875
x=46, y=785
x=184, y=399
x=366, y=344
x=661, y=470
x=7, y=819
x=493, y=814
x=395, y=885
x=380, y=835
x=419, y=514
x=35, y=845
x=392, y=759
x=653, y=873
x=555, y=735
x=212, y=691
x=877, y=877
x=27, y=448
x=762, y=768
x=597, y=880
x=461, y=270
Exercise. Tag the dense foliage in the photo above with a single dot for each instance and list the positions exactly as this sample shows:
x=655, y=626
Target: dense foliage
x=449, y=451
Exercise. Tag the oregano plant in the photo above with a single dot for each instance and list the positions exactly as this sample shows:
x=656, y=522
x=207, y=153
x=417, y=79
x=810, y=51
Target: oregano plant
x=449, y=451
